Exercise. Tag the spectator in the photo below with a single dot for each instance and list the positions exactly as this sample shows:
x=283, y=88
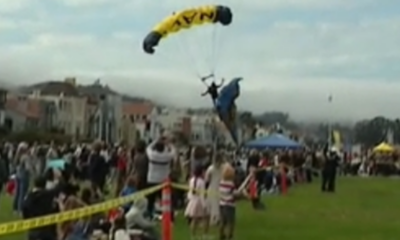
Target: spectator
x=40, y=202
x=119, y=229
x=213, y=178
x=3, y=173
x=122, y=168
x=23, y=163
x=161, y=155
x=140, y=165
x=73, y=230
x=198, y=159
x=135, y=217
x=97, y=168
x=130, y=188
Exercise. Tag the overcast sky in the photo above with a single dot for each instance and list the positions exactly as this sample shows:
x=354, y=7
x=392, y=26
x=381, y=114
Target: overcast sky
x=292, y=53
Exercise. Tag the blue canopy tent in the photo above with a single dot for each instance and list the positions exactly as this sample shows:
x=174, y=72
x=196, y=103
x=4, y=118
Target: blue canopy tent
x=273, y=141
x=56, y=164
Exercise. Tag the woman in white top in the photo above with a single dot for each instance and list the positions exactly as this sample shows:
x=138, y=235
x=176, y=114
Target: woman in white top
x=213, y=178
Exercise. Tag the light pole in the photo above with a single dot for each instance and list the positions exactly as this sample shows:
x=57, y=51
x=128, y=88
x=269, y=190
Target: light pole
x=330, y=99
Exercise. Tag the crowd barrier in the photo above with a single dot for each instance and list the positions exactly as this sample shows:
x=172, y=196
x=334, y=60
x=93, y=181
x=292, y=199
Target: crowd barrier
x=24, y=225
x=166, y=187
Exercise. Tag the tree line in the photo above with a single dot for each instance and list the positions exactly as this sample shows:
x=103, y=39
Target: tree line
x=368, y=132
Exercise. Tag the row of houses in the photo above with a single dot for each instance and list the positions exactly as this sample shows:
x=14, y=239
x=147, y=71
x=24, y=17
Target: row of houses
x=97, y=112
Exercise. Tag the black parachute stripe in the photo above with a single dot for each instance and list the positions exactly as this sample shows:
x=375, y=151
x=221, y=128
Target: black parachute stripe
x=224, y=15
x=151, y=41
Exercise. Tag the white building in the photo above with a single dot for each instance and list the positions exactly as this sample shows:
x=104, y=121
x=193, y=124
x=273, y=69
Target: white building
x=105, y=115
x=203, y=129
x=142, y=114
x=167, y=119
x=70, y=112
x=105, y=121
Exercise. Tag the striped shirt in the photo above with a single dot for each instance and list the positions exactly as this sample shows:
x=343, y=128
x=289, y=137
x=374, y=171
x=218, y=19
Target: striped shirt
x=227, y=193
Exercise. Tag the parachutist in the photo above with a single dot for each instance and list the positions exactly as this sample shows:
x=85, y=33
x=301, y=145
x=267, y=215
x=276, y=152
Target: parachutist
x=213, y=89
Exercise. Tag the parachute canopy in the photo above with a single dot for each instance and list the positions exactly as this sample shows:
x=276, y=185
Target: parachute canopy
x=226, y=106
x=184, y=20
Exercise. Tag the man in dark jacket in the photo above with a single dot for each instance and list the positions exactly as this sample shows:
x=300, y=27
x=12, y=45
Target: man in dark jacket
x=331, y=163
x=98, y=168
x=3, y=173
x=140, y=165
x=40, y=202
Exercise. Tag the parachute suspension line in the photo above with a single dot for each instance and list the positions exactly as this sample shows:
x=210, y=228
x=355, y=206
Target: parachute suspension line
x=214, y=47
x=183, y=46
x=173, y=59
x=196, y=47
x=219, y=38
x=168, y=57
x=185, y=49
x=200, y=49
x=204, y=67
x=171, y=24
x=214, y=53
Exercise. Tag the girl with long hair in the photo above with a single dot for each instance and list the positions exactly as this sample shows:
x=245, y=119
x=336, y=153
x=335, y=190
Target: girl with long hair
x=196, y=210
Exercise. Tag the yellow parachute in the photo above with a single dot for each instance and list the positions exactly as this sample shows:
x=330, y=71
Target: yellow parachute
x=186, y=19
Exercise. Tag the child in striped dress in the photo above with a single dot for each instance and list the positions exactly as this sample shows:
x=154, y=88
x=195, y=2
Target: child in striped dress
x=228, y=195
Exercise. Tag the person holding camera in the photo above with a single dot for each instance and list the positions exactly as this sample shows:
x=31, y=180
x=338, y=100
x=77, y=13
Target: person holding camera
x=161, y=154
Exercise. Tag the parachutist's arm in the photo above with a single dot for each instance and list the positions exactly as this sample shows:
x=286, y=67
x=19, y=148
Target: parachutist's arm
x=222, y=83
x=204, y=93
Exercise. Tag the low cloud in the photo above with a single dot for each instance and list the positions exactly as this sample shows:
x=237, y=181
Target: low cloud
x=288, y=64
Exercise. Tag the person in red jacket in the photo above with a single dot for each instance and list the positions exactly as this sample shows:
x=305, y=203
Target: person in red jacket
x=264, y=162
x=122, y=169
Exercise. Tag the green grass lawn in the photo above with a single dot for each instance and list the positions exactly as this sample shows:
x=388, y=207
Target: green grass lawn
x=362, y=209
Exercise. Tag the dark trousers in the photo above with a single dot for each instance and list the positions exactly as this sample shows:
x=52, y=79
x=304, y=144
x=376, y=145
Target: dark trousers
x=328, y=180
x=256, y=202
x=47, y=234
x=309, y=176
x=152, y=198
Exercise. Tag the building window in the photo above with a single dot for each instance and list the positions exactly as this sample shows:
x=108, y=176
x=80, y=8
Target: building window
x=3, y=96
x=195, y=136
x=178, y=125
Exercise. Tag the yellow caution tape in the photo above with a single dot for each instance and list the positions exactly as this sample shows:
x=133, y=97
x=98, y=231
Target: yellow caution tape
x=24, y=225
x=181, y=186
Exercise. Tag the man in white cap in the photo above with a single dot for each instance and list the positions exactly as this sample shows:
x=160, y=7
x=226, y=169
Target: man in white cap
x=135, y=220
x=331, y=163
